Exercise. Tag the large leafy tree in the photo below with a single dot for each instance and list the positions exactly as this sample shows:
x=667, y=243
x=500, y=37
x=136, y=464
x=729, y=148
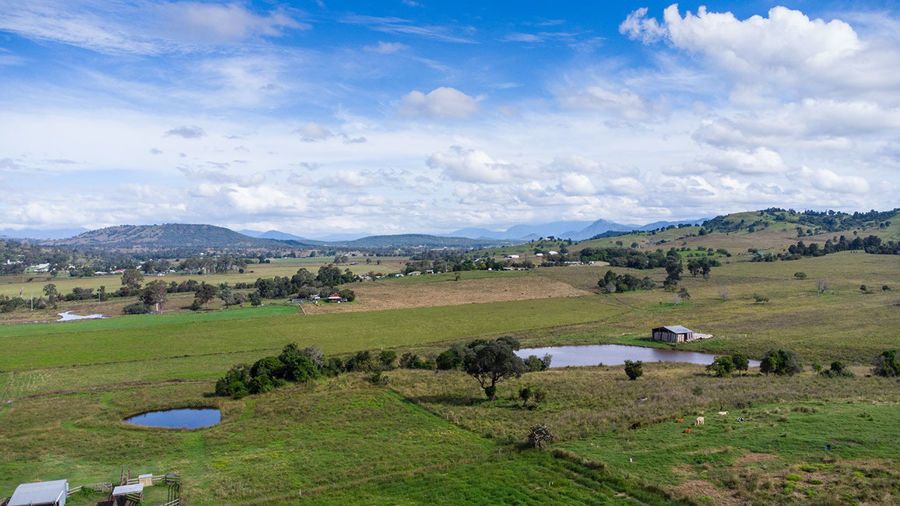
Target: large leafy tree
x=154, y=293
x=132, y=279
x=491, y=362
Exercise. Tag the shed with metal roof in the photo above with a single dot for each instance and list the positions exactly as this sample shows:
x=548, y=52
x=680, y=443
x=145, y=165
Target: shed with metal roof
x=673, y=334
x=44, y=493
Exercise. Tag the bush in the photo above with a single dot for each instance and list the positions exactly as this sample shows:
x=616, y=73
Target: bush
x=535, y=364
x=837, y=370
x=722, y=366
x=450, y=359
x=386, y=359
x=539, y=436
x=741, y=363
x=378, y=378
x=531, y=396
x=760, y=299
x=361, y=362
x=634, y=370
x=137, y=308
x=297, y=364
x=780, y=362
x=413, y=361
x=800, y=275
x=886, y=365
x=235, y=382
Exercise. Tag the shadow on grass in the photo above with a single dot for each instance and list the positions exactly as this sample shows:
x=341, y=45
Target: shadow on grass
x=450, y=400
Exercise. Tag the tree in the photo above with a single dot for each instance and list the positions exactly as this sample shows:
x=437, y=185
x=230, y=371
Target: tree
x=780, y=362
x=227, y=296
x=535, y=364
x=674, y=268
x=154, y=294
x=132, y=279
x=297, y=364
x=491, y=362
x=634, y=370
x=387, y=358
x=234, y=383
x=52, y=294
x=204, y=294
x=722, y=366
x=886, y=364
x=741, y=363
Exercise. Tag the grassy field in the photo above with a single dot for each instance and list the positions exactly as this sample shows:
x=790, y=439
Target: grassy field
x=31, y=285
x=429, y=437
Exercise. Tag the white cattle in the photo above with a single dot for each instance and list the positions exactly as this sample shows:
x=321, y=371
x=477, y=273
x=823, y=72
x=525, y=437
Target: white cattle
x=699, y=420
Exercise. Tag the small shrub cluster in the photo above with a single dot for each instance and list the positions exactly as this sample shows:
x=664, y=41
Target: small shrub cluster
x=886, y=365
x=294, y=364
x=137, y=308
x=634, y=369
x=531, y=397
x=612, y=282
x=780, y=362
x=837, y=370
x=726, y=365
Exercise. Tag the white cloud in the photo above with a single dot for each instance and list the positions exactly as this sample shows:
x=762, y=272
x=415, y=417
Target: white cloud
x=829, y=181
x=441, y=102
x=760, y=160
x=312, y=132
x=141, y=27
x=576, y=184
x=386, y=47
x=620, y=102
x=187, y=132
x=638, y=27
x=470, y=165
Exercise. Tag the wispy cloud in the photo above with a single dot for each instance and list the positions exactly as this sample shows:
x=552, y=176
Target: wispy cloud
x=396, y=25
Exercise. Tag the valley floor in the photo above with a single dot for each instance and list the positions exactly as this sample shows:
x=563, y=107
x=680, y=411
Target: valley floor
x=430, y=437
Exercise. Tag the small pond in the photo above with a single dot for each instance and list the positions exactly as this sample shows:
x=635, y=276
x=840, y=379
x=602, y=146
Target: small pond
x=186, y=418
x=69, y=316
x=616, y=354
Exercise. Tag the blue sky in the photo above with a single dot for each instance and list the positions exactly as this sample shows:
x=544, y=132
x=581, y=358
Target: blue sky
x=402, y=116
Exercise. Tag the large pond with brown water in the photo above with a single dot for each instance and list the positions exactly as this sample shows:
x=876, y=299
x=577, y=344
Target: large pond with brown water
x=616, y=354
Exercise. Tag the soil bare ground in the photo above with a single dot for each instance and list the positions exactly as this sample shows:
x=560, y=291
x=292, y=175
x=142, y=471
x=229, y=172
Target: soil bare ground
x=386, y=295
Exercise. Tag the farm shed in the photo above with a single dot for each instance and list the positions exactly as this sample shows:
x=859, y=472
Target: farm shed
x=44, y=493
x=673, y=334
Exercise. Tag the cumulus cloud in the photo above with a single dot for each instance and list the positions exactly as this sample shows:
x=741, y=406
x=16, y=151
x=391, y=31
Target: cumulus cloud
x=186, y=132
x=639, y=27
x=470, y=165
x=830, y=181
x=441, y=102
x=576, y=184
x=760, y=160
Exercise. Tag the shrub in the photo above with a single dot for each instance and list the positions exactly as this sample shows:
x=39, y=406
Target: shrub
x=361, y=362
x=378, y=378
x=863, y=288
x=780, y=362
x=539, y=436
x=886, y=365
x=741, y=363
x=634, y=370
x=760, y=299
x=885, y=288
x=837, y=370
x=722, y=366
x=413, y=361
x=535, y=364
x=297, y=364
x=531, y=396
x=386, y=359
x=450, y=359
x=800, y=275
x=234, y=383
x=268, y=366
x=137, y=308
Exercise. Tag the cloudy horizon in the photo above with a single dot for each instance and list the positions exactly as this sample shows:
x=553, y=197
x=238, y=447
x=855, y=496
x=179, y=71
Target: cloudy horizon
x=322, y=118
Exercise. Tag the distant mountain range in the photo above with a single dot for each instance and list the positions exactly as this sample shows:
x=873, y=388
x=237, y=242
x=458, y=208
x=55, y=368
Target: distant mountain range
x=192, y=237
x=278, y=236
x=575, y=230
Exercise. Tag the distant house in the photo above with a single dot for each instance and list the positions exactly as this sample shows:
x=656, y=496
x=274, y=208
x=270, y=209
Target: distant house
x=44, y=493
x=551, y=253
x=512, y=257
x=335, y=297
x=538, y=254
x=673, y=334
x=413, y=273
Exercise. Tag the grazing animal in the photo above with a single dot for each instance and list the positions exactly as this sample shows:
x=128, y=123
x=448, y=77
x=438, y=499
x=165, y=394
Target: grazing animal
x=679, y=420
x=687, y=431
x=723, y=413
x=699, y=420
